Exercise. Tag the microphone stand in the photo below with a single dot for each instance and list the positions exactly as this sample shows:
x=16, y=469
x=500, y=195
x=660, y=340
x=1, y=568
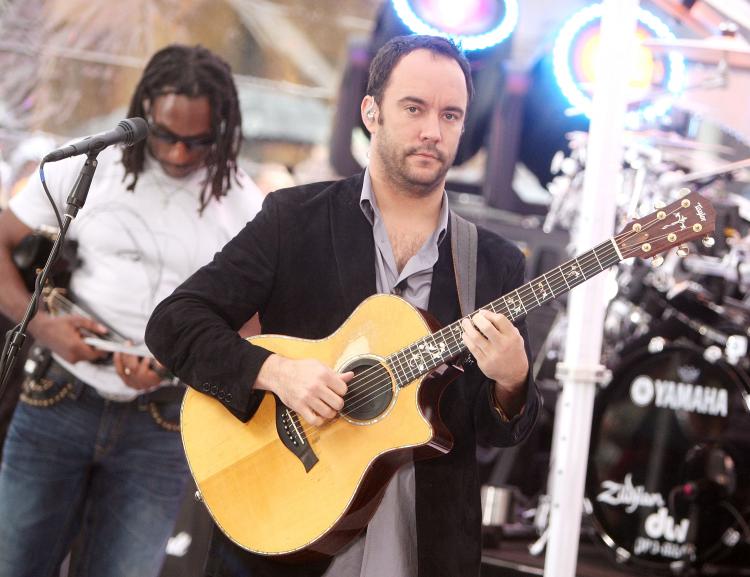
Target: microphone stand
x=14, y=338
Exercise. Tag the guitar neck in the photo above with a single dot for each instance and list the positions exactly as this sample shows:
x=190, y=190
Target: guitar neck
x=58, y=303
x=436, y=349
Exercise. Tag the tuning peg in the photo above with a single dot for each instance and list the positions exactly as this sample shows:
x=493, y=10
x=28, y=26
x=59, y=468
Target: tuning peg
x=683, y=250
x=659, y=204
x=708, y=241
x=657, y=261
x=683, y=192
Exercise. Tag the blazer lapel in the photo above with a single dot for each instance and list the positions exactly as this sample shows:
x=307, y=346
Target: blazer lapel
x=353, y=244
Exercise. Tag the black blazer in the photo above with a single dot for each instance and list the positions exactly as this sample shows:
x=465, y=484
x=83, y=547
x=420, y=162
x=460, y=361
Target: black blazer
x=304, y=263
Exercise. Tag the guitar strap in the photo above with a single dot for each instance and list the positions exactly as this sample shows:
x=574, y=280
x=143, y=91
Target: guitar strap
x=464, y=251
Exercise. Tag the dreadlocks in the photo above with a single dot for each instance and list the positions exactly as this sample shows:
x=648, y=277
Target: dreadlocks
x=192, y=71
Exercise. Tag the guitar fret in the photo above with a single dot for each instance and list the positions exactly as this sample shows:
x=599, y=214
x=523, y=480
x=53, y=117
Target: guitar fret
x=579, y=268
x=518, y=301
x=612, y=252
x=457, y=334
x=564, y=278
x=617, y=248
x=404, y=368
x=597, y=259
x=411, y=368
x=593, y=267
x=526, y=299
x=533, y=292
x=540, y=285
x=505, y=309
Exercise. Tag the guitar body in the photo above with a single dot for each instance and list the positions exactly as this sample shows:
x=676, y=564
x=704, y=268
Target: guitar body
x=273, y=501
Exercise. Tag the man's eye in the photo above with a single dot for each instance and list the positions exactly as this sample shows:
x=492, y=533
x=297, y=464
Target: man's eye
x=412, y=109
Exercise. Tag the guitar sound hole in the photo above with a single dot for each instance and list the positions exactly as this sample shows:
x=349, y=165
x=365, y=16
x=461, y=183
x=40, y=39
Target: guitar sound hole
x=370, y=391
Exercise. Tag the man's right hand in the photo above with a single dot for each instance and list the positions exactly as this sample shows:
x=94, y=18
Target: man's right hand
x=62, y=335
x=306, y=386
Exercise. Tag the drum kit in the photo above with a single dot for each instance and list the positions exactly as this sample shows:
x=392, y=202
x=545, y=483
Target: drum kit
x=669, y=463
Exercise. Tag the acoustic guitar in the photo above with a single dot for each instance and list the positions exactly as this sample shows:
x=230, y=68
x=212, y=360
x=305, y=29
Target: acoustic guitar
x=279, y=486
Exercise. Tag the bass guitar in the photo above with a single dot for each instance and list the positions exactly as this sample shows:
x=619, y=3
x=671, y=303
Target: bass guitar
x=277, y=485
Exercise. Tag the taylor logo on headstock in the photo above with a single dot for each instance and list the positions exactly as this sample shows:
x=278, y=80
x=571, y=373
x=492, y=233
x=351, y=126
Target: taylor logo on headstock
x=679, y=221
x=700, y=212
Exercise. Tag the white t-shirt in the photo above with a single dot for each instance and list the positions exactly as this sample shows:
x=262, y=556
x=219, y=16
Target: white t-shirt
x=135, y=247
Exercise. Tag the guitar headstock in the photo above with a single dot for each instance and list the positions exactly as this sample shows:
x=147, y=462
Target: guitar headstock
x=683, y=220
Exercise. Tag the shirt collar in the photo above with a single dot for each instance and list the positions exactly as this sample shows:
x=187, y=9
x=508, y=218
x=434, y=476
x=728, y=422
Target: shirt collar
x=369, y=206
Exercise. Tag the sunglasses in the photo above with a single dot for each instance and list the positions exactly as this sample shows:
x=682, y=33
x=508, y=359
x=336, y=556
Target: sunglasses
x=190, y=142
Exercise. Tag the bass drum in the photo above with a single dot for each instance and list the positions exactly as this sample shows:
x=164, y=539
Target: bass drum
x=668, y=476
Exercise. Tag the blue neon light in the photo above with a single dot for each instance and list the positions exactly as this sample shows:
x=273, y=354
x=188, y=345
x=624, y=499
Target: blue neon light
x=564, y=75
x=468, y=43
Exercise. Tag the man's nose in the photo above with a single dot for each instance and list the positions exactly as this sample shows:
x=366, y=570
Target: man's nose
x=178, y=153
x=431, y=129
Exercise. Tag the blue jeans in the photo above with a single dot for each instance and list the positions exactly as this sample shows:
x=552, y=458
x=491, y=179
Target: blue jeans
x=78, y=465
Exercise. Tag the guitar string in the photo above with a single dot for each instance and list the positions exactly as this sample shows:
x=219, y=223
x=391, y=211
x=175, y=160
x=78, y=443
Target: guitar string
x=528, y=290
x=382, y=387
x=371, y=375
x=522, y=295
x=581, y=263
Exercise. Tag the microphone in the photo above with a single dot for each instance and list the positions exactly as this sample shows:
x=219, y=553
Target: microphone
x=128, y=132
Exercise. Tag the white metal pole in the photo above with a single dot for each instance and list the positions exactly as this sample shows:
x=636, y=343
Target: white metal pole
x=586, y=305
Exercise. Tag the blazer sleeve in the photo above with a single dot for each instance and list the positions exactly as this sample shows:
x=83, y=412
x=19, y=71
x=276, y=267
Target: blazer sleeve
x=491, y=428
x=193, y=332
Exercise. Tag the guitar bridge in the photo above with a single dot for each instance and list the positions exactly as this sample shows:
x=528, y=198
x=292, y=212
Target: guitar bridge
x=293, y=436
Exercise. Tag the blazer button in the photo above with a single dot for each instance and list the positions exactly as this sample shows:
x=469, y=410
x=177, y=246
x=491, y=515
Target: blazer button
x=221, y=395
x=206, y=387
x=228, y=398
x=214, y=390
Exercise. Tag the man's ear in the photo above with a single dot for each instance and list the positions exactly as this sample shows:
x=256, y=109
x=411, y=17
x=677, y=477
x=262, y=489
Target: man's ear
x=368, y=110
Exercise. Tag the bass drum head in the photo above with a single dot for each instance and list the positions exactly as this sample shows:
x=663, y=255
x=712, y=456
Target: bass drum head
x=668, y=472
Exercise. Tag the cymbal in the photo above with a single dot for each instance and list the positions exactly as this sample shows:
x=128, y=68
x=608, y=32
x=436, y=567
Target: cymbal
x=718, y=171
x=713, y=50
x=658, y=139
x=663, y=139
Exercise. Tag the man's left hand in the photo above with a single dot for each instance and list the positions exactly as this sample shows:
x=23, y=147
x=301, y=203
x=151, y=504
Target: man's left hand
x=498, y=347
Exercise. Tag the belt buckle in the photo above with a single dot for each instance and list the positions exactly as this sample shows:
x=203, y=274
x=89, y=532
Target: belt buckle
x=113, y=397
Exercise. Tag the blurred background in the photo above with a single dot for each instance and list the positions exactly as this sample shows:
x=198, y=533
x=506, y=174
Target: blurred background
x=69, y=68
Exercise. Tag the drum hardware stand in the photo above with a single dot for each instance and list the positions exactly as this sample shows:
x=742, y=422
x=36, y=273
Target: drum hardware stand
x=736, y=348
x=584, y=374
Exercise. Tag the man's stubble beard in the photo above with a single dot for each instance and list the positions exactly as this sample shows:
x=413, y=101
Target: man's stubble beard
x=397, y=169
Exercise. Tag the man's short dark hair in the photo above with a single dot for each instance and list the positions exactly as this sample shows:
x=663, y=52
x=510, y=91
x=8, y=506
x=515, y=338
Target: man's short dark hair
x=193, y=71
x=396, y=48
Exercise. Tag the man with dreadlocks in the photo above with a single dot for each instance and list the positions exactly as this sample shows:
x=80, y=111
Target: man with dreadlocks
x=93, y=448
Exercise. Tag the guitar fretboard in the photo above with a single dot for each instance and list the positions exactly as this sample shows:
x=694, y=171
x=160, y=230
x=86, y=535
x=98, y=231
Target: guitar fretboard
x=430, y=352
